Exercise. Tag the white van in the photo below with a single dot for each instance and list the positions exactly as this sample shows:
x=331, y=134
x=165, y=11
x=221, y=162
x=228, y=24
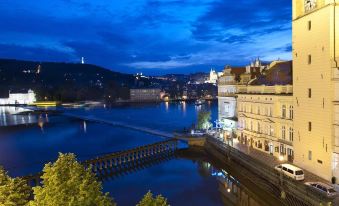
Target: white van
x=291, y=171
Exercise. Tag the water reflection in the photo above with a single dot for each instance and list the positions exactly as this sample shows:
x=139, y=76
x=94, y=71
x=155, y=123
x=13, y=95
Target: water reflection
x=10, y=116
x=85, y=127
x=41, y=123
x=167, y=106
x=231, y=190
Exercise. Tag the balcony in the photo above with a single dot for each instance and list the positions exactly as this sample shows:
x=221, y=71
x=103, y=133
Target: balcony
x=226, y=94
x=277, y=89
x=226, y=82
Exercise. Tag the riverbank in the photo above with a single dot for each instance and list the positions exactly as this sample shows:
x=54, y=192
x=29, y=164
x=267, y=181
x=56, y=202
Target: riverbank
x=264, y=176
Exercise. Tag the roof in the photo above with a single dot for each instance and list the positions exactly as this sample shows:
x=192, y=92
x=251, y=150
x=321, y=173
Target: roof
x=280, y=73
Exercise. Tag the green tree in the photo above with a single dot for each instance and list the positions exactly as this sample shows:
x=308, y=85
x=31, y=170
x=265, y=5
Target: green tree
x=204, y=118
x=149, y=200
x=13, y=191
x=67, y=182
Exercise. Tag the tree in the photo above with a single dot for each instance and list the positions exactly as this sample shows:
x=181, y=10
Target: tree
x=204, y=118
x=67, y=182
x=13, y=191
x=149, y=200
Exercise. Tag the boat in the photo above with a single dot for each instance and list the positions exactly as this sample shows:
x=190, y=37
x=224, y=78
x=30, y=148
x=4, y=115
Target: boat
x=199, y=102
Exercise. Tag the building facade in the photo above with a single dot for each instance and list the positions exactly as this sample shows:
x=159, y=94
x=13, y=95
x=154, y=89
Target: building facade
x=145, y=95
x=228, y=83
x=19, y=98
x=266, y=119
x=316, y=86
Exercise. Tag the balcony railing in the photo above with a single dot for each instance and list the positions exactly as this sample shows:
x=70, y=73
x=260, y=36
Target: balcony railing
x=226, y=94
x=224, y=82
x=277, y=89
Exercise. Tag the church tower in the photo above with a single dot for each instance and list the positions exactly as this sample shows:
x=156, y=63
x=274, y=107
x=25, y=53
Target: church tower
x=316, y=86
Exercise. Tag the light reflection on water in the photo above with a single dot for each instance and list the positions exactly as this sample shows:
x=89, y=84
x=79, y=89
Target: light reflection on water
x=10, y=116
x=183, y=181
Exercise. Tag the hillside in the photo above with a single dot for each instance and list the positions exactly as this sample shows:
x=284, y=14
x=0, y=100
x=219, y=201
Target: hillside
x=63, y=81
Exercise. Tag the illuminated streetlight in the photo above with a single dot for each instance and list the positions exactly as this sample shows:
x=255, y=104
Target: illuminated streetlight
x=281, y=158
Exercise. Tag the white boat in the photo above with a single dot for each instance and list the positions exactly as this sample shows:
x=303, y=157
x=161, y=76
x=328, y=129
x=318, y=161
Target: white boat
x=200, y=102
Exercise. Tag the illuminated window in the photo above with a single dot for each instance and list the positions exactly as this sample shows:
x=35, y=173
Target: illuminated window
x=309, y=126
x=309, y=92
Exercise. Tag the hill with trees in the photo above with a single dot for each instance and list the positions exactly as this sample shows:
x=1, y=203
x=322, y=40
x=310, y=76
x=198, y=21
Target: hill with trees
x=63, y=81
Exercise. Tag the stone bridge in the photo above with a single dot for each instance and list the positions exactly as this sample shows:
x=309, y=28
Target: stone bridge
x=117, y=163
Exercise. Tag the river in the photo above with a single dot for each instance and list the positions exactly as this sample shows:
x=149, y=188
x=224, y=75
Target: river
x=27, y=142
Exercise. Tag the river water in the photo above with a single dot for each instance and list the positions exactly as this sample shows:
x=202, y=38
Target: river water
x=27, y=142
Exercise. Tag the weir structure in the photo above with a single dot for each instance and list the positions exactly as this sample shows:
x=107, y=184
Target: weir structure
x=118, y=163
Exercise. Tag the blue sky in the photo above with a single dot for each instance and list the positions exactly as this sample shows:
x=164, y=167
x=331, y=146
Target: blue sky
x=149, y=36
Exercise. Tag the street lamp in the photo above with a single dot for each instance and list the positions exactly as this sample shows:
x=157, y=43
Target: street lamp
x=283, y=194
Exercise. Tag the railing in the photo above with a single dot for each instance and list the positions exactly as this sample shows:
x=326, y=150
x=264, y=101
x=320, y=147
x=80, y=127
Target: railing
x=121, y=160
x=296, y=191
x=226, y=94
x=224, y=82
x=277, y=89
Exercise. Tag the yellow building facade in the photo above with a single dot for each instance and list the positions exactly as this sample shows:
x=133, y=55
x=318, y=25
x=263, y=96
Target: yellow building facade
x=266, y=119
x=316, y=86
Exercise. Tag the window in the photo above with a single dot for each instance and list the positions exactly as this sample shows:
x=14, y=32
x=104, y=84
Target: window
x=270, y=111
x=283, y=132
x=291, y=134
x=309, y=59
x=291, y=112
x=309, y=155
x=283, y=111
x=282, y=149
x=309, y=92
x=309, y=25
x=259, y=128
x=270, y=131
x=309, y=126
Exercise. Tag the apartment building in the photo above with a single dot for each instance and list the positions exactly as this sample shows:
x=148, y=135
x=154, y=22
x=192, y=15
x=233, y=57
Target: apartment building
x=265, y=109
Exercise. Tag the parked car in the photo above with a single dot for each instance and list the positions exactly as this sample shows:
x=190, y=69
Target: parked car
x=291, y=171
x=323, y=188
x=197, y=132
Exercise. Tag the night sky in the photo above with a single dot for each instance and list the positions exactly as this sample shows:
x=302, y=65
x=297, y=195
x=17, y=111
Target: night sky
x=149, y=36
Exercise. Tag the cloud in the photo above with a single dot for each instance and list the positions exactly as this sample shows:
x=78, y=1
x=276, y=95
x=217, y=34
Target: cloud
x=157, y=35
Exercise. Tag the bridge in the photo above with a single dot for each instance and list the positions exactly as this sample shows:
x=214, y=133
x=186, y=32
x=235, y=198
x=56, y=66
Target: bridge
x=118, y=163
x=119, y=124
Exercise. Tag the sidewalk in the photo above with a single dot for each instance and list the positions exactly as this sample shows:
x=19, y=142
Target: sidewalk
x=272, y=161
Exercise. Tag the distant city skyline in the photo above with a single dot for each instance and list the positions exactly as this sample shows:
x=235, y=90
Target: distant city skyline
x=149, y=36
